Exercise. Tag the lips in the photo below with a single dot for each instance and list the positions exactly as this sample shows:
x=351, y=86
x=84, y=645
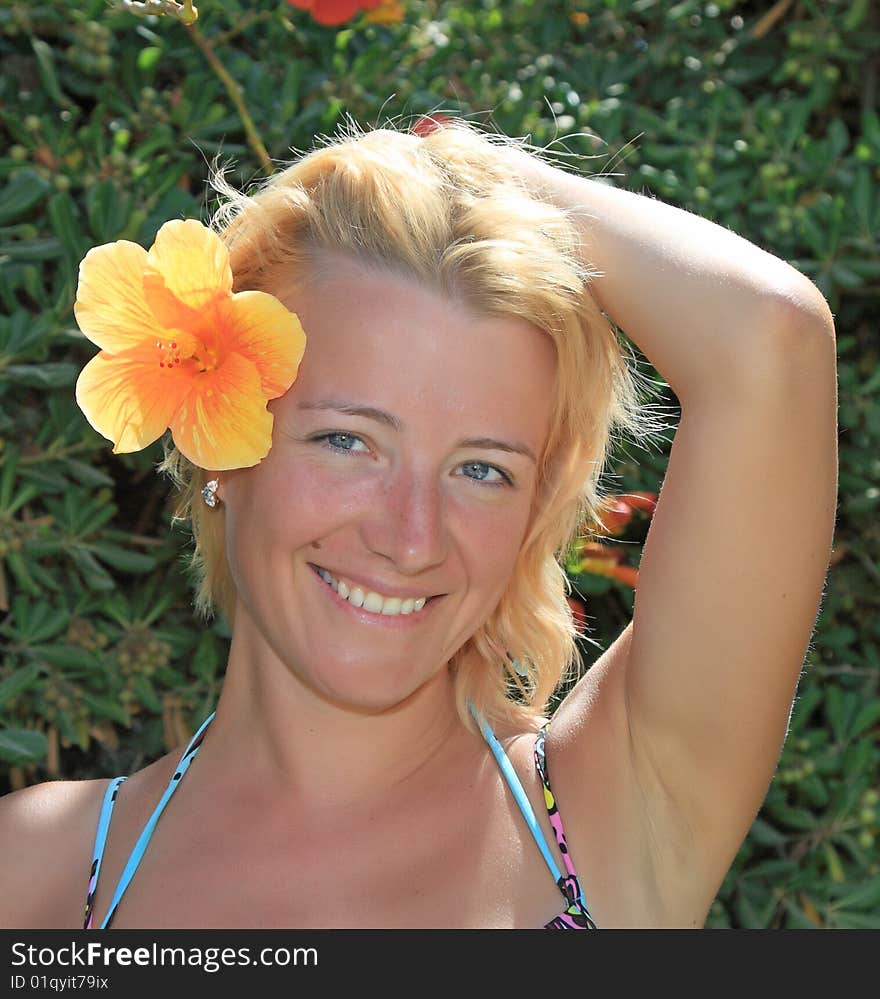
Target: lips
x=372, y=602
x=373, y=585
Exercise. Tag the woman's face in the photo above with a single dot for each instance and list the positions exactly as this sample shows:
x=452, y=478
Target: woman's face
x=403, y=464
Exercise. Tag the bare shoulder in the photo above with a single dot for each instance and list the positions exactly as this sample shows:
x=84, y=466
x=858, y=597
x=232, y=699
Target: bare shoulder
x=48, y=832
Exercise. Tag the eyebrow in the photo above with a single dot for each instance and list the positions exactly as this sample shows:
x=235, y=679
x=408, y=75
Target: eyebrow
x=389, y=420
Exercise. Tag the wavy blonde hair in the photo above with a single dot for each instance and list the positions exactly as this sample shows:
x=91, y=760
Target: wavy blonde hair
x=446, y=211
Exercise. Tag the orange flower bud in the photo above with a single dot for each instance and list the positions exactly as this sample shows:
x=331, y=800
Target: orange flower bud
x=388, y=12
x=625, y=574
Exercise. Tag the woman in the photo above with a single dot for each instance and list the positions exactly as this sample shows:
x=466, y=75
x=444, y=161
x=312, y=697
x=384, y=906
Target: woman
x=388, y=556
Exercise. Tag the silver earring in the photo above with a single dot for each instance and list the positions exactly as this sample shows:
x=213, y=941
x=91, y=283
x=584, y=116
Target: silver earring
x=210, y=492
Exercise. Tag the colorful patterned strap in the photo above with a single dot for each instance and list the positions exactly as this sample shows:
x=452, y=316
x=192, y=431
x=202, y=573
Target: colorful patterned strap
x=577, y=915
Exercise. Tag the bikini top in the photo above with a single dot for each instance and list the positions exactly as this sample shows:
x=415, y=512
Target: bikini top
x=575, y=915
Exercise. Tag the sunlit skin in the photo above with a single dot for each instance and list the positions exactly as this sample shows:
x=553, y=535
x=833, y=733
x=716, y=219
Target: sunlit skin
x=317, y=689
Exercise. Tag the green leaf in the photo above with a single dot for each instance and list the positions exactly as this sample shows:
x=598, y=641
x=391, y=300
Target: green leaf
x=106, y=707
x=56, y=374
x=858, y=757
x=856, y=921
x=69, y=656
x=20, y=195
x=41, y=620
x=857, y=12
x=22, y=745
x=866, y=896
x=7, y=475
x=145, y=692
x=46, y=67
x=119, y=558
x=762, y=832
x=38, y=250
x=866, y=717
x=23, y=577
x=844, y=276
x=20, y=681
x=837, y=138
x=62, y=214
x=796, y=818
x=87, y=474
x=797, y=918
x=754, y=907
x=812, y=788
x=108, y=210
x=840, y=707
x=776, y=870
x=807, y=701
x=206, y=659
x=95, y=576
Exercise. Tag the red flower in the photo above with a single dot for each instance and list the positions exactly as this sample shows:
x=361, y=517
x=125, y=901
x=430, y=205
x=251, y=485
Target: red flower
x=427, y=123
x=333, y=12
x=579, y=613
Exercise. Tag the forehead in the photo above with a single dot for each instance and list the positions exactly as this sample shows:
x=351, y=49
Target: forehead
x=380, y=339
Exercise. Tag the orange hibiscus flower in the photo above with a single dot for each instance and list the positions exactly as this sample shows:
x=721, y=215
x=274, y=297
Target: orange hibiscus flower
x=333, y=12
x=179, y=350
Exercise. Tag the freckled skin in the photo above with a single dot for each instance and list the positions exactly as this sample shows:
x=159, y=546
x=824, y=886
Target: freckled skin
x=406, y=507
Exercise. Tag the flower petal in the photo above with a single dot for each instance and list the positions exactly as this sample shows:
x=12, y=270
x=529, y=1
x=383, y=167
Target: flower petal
x=187, y=269
x=223, y=422
x=265, y=331
x=129, y=399
x=333, y=12
x=111, y=307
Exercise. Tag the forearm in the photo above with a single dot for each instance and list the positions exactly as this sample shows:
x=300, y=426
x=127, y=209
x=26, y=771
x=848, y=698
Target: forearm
x=698, y=300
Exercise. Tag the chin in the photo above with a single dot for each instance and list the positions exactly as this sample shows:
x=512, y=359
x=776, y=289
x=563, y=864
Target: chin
x=368, y=694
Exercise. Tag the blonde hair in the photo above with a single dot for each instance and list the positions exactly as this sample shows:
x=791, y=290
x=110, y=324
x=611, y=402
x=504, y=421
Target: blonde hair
x=445, y=210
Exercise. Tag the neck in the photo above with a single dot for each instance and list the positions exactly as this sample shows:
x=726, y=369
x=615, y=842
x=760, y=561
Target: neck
x=274, y=733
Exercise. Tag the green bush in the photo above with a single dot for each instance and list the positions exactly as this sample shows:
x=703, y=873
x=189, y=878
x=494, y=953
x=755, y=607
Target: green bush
x=107, y=121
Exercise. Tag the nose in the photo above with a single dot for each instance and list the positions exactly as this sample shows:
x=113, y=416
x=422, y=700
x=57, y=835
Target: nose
x=407, y=524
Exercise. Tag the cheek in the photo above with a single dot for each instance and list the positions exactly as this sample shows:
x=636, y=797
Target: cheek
x=489, y=537
x=285, y=505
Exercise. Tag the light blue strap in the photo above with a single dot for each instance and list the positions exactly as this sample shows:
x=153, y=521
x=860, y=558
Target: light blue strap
x=104, y=822
x=525, y=806
x=141, y=845
x=100, y=842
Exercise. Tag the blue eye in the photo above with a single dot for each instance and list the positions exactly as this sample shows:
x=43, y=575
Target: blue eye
x=340, y=441
x=483, y=468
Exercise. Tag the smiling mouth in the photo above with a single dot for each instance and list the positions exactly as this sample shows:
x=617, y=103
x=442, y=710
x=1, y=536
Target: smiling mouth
x=369, y=600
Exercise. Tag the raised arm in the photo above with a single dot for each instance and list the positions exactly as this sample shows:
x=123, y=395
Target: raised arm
x=698, y=689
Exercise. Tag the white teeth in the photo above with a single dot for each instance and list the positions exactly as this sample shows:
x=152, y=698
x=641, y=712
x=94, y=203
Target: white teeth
x=371, y=601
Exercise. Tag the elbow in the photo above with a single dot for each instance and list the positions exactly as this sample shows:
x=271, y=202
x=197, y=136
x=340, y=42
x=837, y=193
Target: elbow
x=802, y=313
x=804, y=336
